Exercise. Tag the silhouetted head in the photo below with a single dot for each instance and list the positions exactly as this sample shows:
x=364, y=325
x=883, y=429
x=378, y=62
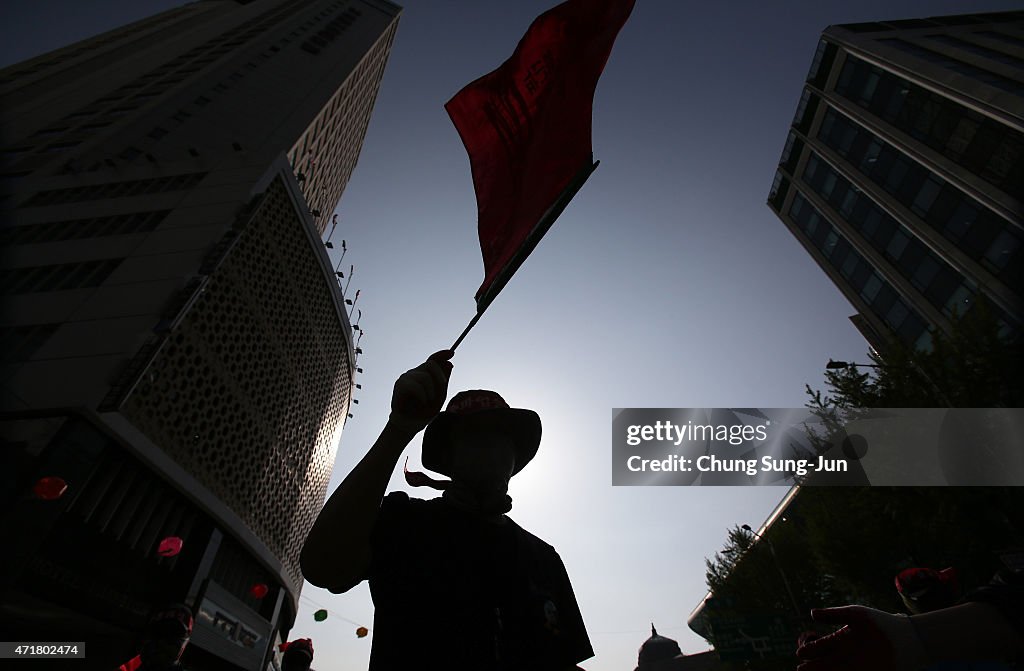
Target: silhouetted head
x=298, y=655
x=481, y=442
x=167, y=634
x=924, y=589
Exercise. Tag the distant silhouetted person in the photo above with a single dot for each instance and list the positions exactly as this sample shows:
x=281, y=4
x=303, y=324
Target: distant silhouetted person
x=456, y=584
x=925, y=589
x=167, y=635
x=298, y=655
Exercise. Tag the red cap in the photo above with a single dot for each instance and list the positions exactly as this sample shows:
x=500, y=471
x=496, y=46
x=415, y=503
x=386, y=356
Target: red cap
x=523, y=426
x=304, y=644
x=475, y=400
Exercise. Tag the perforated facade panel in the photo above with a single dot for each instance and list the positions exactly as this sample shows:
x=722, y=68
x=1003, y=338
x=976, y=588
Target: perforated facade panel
x=251, y=387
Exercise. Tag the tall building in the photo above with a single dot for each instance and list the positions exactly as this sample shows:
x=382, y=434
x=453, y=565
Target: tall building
x=903, y=172
x=176, y=348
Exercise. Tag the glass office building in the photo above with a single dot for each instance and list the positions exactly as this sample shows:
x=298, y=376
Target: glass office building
x=903, y=171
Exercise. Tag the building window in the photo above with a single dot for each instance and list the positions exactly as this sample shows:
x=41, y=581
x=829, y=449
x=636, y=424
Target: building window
x=871, y=287
x=830, y=243
x=896, y=245
x=21, y=342
x=114, y=190
x=978, y=49
x=924, y=343
x=970, y=225
x=959, y=301
x=911, y=258
x=849, y=265
x=958, y=66
x=984, y=147
x=911, y=328
x=805, y=110
x=926, y=196
x=61, y=146
x=896, y=314
x=1003, y=248
x=1002, y=37
x=779, y=190
x=926, y=271
x=50, y=131
x=905, y=323
x=979, y=236
x=57, y=277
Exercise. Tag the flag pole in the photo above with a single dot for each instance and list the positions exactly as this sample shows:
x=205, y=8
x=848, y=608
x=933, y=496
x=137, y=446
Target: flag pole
x=546, y=221
x=466, y=330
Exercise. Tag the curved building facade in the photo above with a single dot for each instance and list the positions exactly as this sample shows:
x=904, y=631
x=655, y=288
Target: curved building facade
x=248, y=388
x=176, y=347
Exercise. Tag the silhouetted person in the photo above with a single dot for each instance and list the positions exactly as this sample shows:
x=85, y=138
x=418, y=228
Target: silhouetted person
x=925, y=589
x=456, y=584
x=298, y=655
x=167, y=635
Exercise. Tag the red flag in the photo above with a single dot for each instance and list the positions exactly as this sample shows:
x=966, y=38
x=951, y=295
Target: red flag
x=132, y=664
x=527, y=129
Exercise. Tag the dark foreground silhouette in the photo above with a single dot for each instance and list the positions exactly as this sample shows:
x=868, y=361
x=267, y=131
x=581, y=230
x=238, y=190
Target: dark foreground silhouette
x=988, y=626
x=167, y=635
x=456, y=584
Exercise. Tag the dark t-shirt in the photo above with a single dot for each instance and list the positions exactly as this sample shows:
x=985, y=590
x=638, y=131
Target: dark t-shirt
x=452, y=591
x=1006, y=592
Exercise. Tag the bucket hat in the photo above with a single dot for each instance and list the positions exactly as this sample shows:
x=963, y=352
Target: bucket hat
x=484, y=408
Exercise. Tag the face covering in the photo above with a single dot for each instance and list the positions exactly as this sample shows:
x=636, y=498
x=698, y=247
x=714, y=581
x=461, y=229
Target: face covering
x=490, y=501
x=481, y=498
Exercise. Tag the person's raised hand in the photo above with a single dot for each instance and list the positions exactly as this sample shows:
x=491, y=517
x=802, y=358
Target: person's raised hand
x=870, y=639
x=420, y=392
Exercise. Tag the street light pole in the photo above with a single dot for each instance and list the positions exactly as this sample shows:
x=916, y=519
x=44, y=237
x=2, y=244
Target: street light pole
x=782, y=574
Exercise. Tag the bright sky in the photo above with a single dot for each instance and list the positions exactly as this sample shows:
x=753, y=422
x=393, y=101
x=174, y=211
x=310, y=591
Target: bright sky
x=666, y=283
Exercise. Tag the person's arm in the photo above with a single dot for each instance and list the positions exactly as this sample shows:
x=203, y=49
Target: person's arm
x=969, y=631
x=336, y=554
x=873, y=639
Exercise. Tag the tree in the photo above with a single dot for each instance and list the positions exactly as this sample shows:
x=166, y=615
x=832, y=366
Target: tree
x=970, y=367
x=747, y=583
x=843, y=545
